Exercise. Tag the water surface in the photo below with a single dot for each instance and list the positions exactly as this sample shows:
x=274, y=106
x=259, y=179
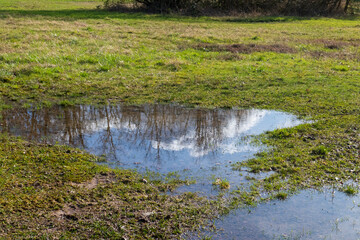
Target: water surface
x=308, y=215
x=197, y=143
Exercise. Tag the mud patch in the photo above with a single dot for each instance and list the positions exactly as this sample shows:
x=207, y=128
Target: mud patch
x=229, y=57
x=98, y=180
x=350, y=56
x=69, y=212
x=335, y=44
x=244, y=48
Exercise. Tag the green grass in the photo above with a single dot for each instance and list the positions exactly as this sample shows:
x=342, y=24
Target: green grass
x=49, y=4
x=350, y=190
x=60, y=52
x=50, y=191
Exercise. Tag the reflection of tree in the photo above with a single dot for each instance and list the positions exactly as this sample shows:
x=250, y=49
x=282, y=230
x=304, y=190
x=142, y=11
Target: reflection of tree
x=140, y=127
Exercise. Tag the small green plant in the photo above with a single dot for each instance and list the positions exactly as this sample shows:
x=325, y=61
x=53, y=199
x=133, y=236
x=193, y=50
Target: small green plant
x=350, y=190
x=222, y=183
x=6, y=76
x=66, y=103
x=320, y=150
x=281, y=195
x=282, y=133
x=104, y=68
x=341, y=68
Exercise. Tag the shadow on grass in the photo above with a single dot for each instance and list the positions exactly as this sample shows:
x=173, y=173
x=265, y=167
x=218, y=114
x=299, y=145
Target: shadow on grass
x=80, y=14
x=71, y=15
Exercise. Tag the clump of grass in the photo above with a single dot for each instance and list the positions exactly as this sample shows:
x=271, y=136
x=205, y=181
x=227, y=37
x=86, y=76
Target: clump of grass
x=320, y=150
x=6, y=76
x=222, y=183
x=281, y=195
x=350, y=190
x=256, y=38
x=341, y=68
x=66, y=103
x=282, y=133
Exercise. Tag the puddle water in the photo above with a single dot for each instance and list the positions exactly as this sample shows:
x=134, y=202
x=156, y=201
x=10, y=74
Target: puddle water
x=197, y=143
x=308, y=215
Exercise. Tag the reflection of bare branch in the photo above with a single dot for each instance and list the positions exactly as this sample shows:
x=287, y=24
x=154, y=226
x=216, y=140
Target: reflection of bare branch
x=143, y=127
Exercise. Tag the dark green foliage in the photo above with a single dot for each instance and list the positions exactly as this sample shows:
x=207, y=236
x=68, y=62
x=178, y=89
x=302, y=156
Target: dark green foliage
x=320, y=150
x=281, y=195
x=297, y=7
x=350, y=190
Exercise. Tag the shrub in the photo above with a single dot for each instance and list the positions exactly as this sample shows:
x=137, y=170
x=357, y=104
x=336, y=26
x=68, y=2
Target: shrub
x=298, y=7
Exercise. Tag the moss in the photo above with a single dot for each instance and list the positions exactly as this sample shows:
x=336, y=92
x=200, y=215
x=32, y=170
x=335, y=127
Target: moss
x=61, y=192
x=55, y=53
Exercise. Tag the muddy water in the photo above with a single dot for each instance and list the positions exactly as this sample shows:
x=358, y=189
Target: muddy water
x=196, y=143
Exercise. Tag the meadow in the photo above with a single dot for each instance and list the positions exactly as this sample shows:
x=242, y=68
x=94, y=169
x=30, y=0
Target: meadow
x=73, y=52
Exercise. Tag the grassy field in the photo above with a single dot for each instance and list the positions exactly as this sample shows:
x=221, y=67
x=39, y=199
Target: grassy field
x=69, y=52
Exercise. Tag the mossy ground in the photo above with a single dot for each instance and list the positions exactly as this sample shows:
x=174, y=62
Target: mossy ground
x=66, y=52
x=50, y=191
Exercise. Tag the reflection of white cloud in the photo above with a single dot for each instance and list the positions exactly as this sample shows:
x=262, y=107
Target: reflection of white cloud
x=231, y=131
x=102, y=124
x=225, y=140
x=289, y=122
x=183, y=143
x=235, y=147
x=233, y=128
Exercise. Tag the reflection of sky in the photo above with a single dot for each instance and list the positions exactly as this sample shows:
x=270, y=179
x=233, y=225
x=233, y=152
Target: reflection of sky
x=307, y=215
x=157, y=137
x=178, y=150
x=161, y=138
x=256, y=122
x=179, y=146
x=232, y=130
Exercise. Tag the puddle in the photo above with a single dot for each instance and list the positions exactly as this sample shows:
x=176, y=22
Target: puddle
x=308, y=215
x=197, y=143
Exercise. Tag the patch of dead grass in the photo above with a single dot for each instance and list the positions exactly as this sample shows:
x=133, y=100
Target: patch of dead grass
x=349, y=56
x=335, y=44
x=245, y=48
x=97, y=180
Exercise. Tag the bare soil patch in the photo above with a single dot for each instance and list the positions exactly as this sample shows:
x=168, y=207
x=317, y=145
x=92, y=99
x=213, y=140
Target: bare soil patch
x=99, y=179
x=336, y=55
x=245, y=48
x=335, y=44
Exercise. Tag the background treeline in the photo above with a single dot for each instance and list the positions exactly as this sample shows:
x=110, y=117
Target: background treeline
x=294, y=7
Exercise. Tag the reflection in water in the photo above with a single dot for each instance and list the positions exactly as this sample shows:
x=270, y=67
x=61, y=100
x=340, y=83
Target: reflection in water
x=198, y=143
x=307, y=215
x=160, y=137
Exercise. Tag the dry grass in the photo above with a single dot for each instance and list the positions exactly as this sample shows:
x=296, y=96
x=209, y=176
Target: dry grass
x=245, y=48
